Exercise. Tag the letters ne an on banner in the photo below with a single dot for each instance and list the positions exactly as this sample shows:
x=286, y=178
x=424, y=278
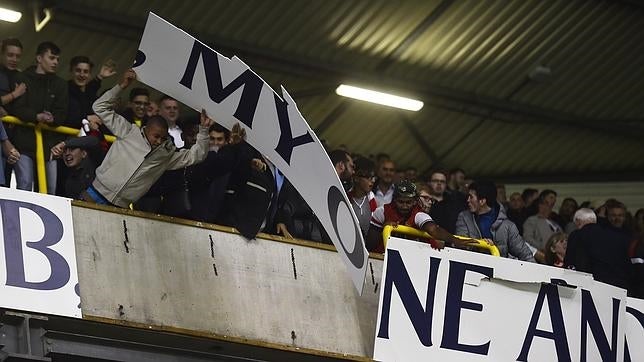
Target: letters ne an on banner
x=172, y=61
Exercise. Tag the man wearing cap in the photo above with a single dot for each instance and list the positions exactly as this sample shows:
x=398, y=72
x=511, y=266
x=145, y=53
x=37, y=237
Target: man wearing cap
x=80, y=167
x=404, y=210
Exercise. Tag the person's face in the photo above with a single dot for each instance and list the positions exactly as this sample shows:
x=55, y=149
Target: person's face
x=155, y=135
x=438, y=183
x=169, y=109
x=47, y=62
x=139, y=105
x=551, y=200
x=559, y=247
x=386, y=172
x=473, y=202
x=189, y=136
x=349, y=169
x=425, y=201
x=216, y=139
x=81, y=74
x=11, y=57
x=568, y=207
x=73, y=156
x=152, y=110
x=410, y=175
x=516, y=202
x=364, y=183
x=459, y=179
x=404, y=205
x=616, y=216
x=500, y=194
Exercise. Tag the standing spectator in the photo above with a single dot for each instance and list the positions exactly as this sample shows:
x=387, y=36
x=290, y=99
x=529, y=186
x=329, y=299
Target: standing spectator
x=404, y=210
x=137, y=106
x=636, y=253
x=46, y=102
x=139, y=156
x=501, y=197
x=566, y=212
x=9, y=151
x=601, y=250
x=411, y=174
x=447, y=204
x=616, y=215
x=152, y=110
x=344, y=167
x=457, y=181
x=529, y=195
x=516, y=211
x=169, y=110
x=83, y=90
x=425, y=200
x=384, y=187
x=362, y=198
x=9, y=89
x=80, y=166
x=538, y=228
x=556, y=249
x=488, y=221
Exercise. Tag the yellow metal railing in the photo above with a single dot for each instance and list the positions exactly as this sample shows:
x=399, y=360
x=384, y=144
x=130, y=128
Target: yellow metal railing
x=409, y=231
x=40, y=152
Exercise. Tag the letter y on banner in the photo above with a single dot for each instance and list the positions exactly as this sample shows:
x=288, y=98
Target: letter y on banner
x=173, y=62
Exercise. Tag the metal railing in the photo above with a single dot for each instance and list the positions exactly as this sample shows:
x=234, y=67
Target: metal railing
x=409, y=231
x=40, y=152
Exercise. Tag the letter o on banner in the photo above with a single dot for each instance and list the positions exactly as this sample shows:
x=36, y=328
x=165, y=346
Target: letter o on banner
x=335, y=198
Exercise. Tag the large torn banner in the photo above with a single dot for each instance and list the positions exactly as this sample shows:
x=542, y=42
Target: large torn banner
x=173, y=62
x=455, y=305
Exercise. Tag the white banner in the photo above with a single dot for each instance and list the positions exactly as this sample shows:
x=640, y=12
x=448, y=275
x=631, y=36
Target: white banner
x=173, y=62
x=454, y=305
x=37, y=254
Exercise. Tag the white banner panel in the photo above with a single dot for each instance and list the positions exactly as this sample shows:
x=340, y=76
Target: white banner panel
x=454, y=305
x=37, y=254
x=634, y=330
x=172, y=61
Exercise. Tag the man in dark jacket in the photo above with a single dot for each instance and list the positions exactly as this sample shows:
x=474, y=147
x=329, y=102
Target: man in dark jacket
x=447, y=204
x=489, y=221
x=45, y=102
x=601, y=250
x=78, y=154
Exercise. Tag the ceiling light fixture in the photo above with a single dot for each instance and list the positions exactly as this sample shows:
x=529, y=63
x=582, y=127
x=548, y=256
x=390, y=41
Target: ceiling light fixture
x=379, y=97
x=10, y=15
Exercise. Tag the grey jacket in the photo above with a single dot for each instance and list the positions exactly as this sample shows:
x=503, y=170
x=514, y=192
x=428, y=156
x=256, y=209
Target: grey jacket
x=505, y=234
x=131, y=166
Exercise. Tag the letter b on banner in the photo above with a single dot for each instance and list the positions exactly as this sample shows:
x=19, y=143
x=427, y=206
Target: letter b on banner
x=53, y=232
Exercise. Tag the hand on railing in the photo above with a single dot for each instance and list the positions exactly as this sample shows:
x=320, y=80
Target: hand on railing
x=45, y=117
x=94, y=122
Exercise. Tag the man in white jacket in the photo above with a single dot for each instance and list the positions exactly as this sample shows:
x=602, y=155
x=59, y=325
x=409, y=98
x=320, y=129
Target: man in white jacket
x=139, y=156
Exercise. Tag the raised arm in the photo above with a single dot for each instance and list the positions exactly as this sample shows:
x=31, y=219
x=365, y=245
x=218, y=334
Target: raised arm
x=104, y=107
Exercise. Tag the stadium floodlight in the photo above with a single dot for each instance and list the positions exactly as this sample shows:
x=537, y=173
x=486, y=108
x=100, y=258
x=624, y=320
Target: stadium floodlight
x=10, y=15
x=373, y=96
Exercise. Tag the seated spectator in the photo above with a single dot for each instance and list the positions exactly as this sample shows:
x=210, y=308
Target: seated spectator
x=538, y=228
x=137, y=106
x=362, y=198
x=80, y=166
x=488, y=221
x=447, y=204
x=138, y=157
x=556, y=249
x=45, y=102
x=384, y=187
x=404, y=210
x=601, y=250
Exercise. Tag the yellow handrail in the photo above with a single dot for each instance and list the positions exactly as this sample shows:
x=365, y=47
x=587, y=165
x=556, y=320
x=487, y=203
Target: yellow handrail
x=409, y=231
x=40, y=154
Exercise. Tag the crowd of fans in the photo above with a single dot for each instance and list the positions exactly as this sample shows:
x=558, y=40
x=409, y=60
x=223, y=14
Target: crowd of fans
x=190, y=167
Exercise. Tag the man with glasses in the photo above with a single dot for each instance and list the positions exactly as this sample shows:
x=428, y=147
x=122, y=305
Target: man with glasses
x=404, y=210
x=447, y=204
x=139, y=102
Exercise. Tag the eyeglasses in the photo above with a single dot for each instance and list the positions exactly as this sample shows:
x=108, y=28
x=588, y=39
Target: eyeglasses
x=141, y=103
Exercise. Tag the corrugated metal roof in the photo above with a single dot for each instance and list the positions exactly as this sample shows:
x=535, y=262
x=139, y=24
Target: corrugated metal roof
x=468, y=60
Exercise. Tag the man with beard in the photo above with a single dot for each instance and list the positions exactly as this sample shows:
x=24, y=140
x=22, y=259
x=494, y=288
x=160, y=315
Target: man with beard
x=404, y=210
x=344, y=167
